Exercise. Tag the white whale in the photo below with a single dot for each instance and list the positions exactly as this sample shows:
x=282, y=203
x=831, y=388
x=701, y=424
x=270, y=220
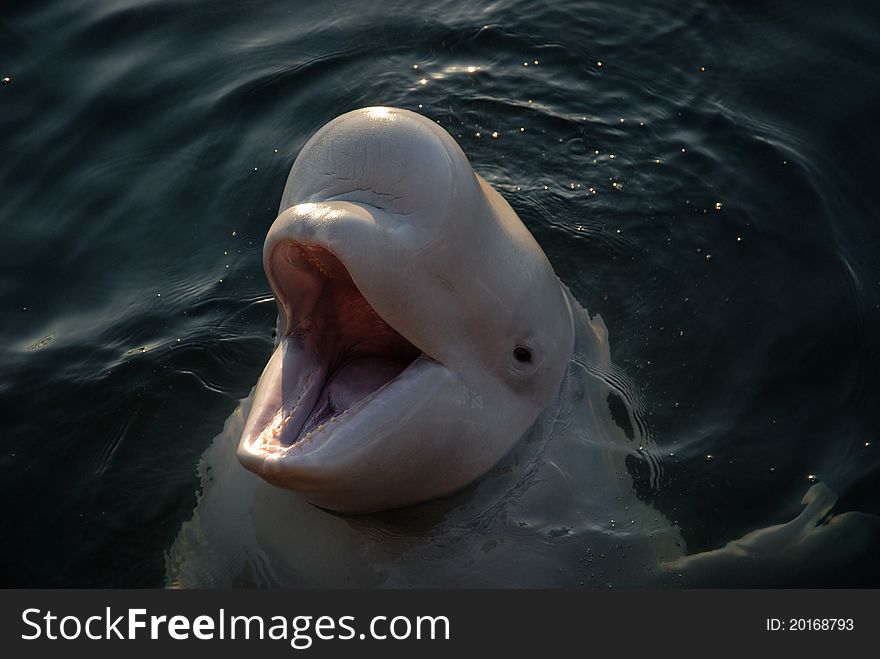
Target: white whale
x=427, y=346
x=423, y=329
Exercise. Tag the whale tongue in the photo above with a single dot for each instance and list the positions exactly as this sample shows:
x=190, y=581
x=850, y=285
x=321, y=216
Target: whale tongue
x=359, y=377
x=318, y=395
x=298, y=393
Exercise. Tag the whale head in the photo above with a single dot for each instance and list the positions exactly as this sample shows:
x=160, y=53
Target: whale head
x=422, y=328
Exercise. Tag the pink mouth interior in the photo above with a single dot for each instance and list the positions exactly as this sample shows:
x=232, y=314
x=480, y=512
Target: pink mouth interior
x=341, y=350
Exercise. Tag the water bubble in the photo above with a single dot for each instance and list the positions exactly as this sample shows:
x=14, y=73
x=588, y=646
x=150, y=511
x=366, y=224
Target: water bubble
x=7, y=80
x=495, y=135
x=709, y=457
x=813, y=478
x=717, y=205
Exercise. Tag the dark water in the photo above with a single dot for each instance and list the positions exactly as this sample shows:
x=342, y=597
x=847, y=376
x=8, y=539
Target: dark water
x=709, y=188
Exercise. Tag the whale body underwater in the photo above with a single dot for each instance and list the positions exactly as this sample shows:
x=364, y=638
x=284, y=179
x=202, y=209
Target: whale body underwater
x=439, y=411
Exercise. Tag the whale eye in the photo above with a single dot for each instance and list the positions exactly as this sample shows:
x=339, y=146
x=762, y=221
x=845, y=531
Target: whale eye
x=521, y=354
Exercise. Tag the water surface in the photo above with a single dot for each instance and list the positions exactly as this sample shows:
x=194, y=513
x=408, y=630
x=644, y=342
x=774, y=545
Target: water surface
x=700, y=174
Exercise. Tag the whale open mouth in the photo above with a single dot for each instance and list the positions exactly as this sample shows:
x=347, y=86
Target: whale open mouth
x=335, y=352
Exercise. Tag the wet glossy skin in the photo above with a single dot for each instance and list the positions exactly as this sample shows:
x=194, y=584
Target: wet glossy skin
x=423, y=329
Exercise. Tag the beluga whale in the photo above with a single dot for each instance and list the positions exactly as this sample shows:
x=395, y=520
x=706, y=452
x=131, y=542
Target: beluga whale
x=439, y=410
x=422, y=327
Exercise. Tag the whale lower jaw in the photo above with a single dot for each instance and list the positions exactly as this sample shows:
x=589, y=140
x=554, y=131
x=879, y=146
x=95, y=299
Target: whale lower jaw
x=286, y=446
